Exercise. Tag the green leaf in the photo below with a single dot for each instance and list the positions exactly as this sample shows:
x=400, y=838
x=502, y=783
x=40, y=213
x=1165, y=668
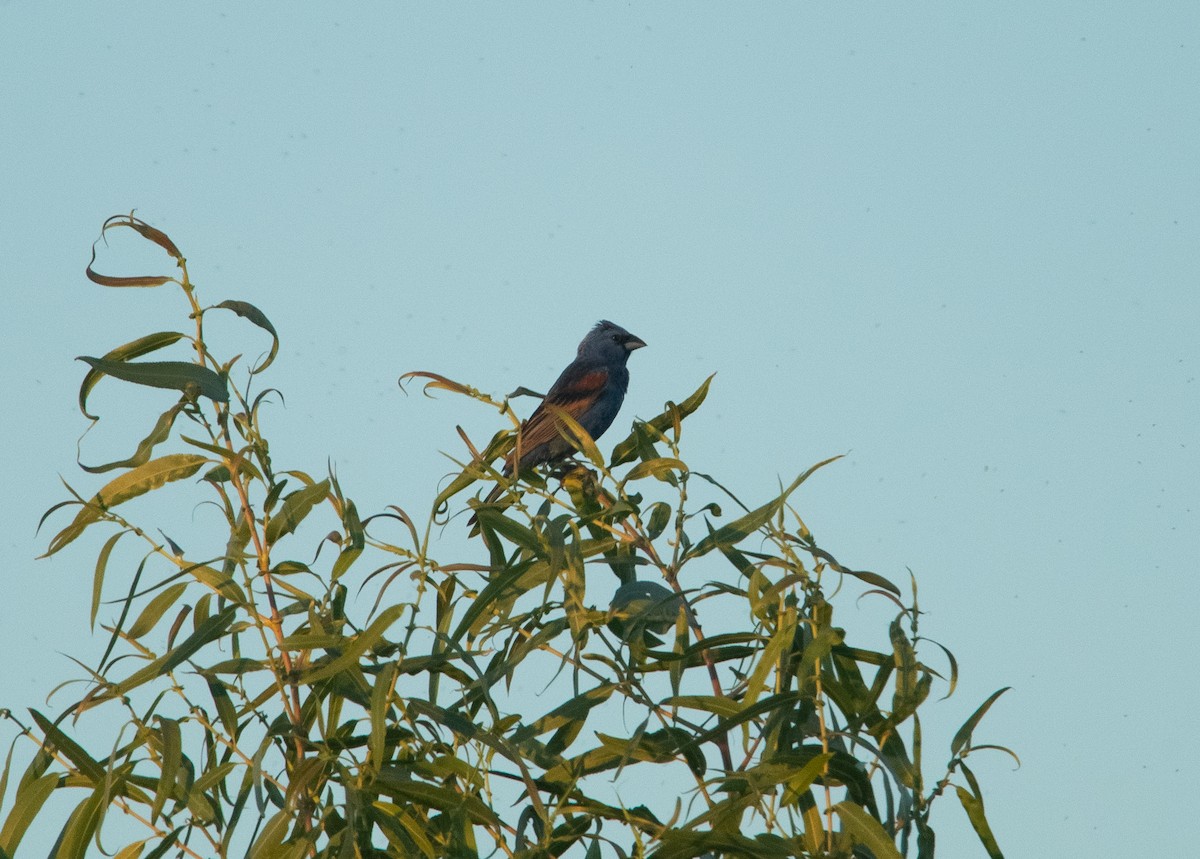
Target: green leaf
x=81, y=825
x=88, y=766
x=399, y=786
x=148, y=477
x=172, y=760
x=160, y=433
x=356, y=543
x=139, y=481
x=655, y=468
x=574, y=710
x=133, y=349
x=155, y=609
x=381, y=694
x=718, y=704
x=295, y=507
x=98, y=578
x=973, y=805
x=358, y=645
x=246, y=310
x=627, y=450
x=866, y=830
x=177, y=375
x=29, y=801
x=210, y=630
x=905, y=699
x=963, y=737
x=224, y=704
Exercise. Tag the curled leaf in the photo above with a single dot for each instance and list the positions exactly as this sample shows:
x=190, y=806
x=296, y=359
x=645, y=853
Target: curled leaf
x=146, y=231
x=248, y=311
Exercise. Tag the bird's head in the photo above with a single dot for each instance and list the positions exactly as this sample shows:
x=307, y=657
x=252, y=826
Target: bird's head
x=609, y=342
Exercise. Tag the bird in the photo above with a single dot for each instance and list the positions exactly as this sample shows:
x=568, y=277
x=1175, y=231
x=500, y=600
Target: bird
x=590, y=390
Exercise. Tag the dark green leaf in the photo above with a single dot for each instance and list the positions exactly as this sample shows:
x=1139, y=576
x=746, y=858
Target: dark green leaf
x=246, y=310
x=133, y=349
x=295, y=507
x=191, y=379
x=963, y=738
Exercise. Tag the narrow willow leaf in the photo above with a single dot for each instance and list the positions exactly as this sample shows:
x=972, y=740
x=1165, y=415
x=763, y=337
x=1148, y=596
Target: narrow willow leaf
x=224, y=704
x=219, y=581
x=177, y=375
x=866, y=830
x=381, y=695
x=88, y=766
x=145, y=231
x=98, y=578
x=270, y=839
x=28, y=802
x=904, y=700
x=172, y=760
x=354, y=546
x=295, y=507
x=350, y=654
x=720, y=705
x=132, y=349
x=973, y=805
x=963, y=737
x=155, y=609
x=513, y=531
x=687, y=844
x=574, y=710
x=781, y=641
x=664, y=465
x=131, y=851
x=81, y=825
x=626, y=451
x=248, y=311
x=393, y=819
x=139, y=481
x=148, y=477
x=658, y=519
x=210, y=630
x=579, y=438
x=160, y=433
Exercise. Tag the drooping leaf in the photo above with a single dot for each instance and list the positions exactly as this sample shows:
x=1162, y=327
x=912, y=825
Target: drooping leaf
x=133, y=349
x=159, y=434
x=177, y=375
x=248, y=311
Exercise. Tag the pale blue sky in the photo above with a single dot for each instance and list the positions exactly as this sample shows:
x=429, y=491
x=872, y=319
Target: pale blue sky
x=958, y=241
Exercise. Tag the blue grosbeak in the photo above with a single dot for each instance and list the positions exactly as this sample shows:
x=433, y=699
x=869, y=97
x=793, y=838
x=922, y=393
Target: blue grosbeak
x=590, y=390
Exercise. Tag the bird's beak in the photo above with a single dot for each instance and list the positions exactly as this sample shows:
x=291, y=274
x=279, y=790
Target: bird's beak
x=634, y=343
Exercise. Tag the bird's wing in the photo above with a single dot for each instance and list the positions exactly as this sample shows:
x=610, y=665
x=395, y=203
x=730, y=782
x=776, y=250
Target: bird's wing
x=575, y=396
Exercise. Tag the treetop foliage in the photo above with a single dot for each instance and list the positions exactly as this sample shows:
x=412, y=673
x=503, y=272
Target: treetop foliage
x=379, y=700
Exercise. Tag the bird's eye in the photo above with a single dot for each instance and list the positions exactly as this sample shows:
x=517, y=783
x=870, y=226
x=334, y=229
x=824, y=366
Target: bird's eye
x=616, y=338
